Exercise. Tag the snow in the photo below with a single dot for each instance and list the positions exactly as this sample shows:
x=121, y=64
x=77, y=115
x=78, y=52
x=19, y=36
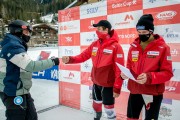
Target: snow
x=46, y=94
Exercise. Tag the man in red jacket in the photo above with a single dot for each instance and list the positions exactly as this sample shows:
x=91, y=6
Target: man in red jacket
x=150, y=62
x=104, y=52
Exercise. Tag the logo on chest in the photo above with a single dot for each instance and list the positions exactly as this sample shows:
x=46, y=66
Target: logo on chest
x=107, y=51
x=135, y=55
x=152, y=54
x=94, y=51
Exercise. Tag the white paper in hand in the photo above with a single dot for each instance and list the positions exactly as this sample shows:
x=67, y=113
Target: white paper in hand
x=126, y=71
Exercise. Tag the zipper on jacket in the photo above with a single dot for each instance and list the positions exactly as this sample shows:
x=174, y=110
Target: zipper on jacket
x=140, y=57
x=142, y=62
x=98, y=55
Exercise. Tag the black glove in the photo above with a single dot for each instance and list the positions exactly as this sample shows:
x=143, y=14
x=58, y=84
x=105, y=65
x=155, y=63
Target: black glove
x=55, y=60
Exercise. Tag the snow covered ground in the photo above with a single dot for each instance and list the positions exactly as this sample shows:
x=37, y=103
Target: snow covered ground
x=45, y=94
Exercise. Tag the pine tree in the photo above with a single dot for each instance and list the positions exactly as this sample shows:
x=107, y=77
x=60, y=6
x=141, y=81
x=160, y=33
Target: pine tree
x=30, y=9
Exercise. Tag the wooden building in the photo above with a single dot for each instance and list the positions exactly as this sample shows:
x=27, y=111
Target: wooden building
x=43, y=35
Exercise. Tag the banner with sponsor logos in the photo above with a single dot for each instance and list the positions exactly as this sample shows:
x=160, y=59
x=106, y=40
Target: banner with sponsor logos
x=42, y=54
x=76, y=33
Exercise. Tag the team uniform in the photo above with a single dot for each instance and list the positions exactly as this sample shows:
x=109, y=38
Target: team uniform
x=155, y=61
x=105, y=73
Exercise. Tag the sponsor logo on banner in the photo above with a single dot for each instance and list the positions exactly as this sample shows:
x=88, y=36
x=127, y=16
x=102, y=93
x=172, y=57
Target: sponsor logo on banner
x=125, y=20
x=166, y=15
x=69, y=14
x=175, y=51
x=155, y=3
x=126, y=36
x=69, y=50
x=124, y=4
x=48, y=74
x=69, y=39
x=128, y=17
x=69, y=27
x=70, y=76
x=165, y=111
x=86, y=66
x=90, y=40
x=93, y=10
x=87, y=24
x=171, y=86
x=70, y=94
x=91, y=25
x=118, y=6
x=169, y=33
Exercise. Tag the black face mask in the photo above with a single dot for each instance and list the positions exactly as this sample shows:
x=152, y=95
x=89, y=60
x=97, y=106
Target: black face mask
x=144, y=37
x=25, y=38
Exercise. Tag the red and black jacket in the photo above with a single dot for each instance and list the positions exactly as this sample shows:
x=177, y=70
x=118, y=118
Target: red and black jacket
x=104, y=55
x=155, y=61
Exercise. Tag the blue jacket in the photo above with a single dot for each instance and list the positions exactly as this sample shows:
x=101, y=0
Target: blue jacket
x=16, y=66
